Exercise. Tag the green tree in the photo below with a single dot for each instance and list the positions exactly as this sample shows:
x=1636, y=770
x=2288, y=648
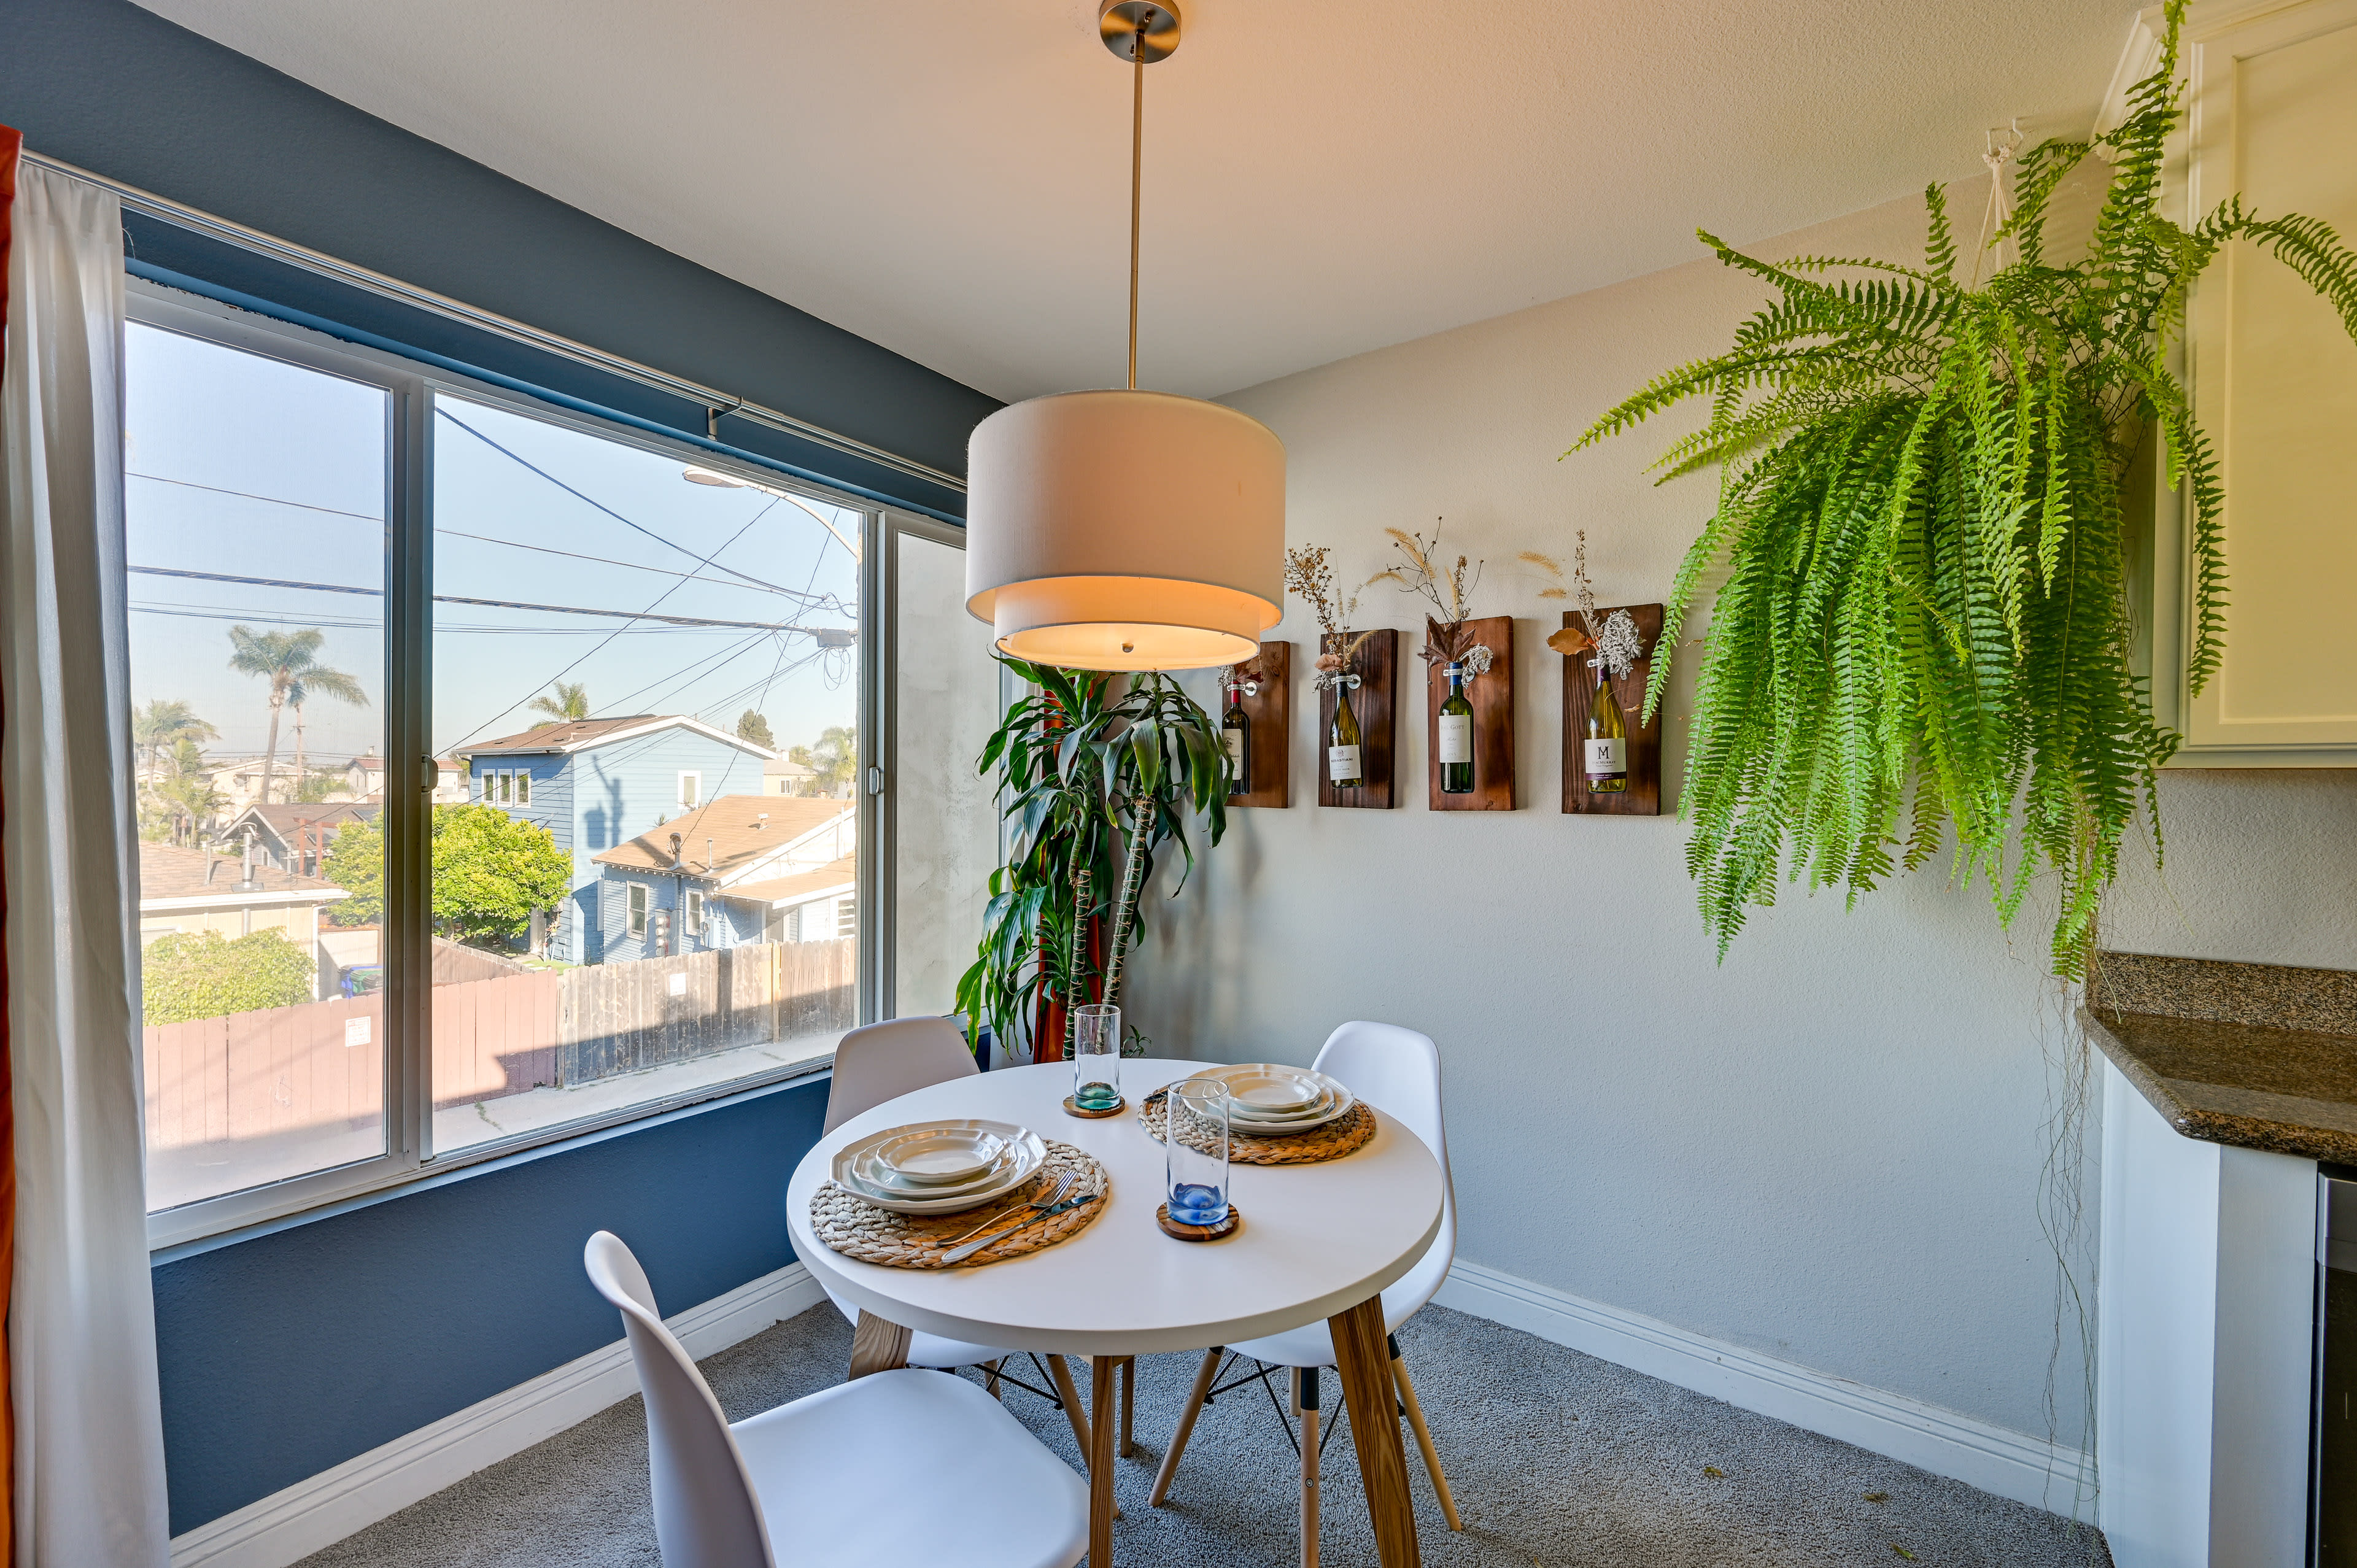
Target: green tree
x=490, y=872
x=569, y=706
x=311, y=789
x=754, y=727
x=830, y=758
x=204, y=974
x=289, y=662
x=179, y=790
x=163, y=723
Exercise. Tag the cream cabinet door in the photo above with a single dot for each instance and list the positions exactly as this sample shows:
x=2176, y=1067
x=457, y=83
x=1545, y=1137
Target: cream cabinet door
x=2272, y=114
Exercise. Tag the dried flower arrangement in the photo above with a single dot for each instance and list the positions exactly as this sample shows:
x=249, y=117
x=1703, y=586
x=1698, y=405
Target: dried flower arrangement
x=1309, y=574
x=1450, y=591
x=1616, y=643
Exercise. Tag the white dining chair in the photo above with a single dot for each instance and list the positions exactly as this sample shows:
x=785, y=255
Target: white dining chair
x=1397, y=1071
x=878, y=1062
x=823, y=1479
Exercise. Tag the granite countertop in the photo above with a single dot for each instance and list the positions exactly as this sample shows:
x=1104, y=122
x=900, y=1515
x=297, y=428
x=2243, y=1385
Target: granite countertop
x=2257, y=1056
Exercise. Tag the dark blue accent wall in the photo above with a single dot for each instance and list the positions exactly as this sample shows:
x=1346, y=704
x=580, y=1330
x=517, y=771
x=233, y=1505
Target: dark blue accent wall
x=291, y=1352
x=123, y=92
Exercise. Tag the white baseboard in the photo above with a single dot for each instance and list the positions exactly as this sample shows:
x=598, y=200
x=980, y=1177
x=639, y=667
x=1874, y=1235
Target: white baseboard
x=2010, y=1463
x=289, y=1525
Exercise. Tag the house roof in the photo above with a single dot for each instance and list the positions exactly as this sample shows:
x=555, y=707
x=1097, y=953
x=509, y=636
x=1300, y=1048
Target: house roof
x=804, y=886
x=171, y=877
x=742, y=829
x=566, y=736
x=785, y=768
x=368, y=764
x=283, y=819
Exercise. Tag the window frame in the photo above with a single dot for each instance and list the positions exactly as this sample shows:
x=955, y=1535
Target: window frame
x=412, y=773
x=686, y=802
x=638, y=908
x=694, y=913
x=523, y=786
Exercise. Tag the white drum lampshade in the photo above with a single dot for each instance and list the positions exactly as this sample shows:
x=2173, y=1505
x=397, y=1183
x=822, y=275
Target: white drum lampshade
x=1124, y=530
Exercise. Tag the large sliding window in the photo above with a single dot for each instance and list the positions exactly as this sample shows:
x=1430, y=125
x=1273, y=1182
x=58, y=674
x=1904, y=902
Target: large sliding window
x=503, y=772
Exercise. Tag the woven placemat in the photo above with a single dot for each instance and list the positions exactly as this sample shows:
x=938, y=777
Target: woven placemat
x=858, y=1229
x=1340, y=1136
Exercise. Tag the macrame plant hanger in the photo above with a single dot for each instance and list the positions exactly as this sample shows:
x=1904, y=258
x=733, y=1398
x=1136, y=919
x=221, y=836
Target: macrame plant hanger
x=2002, y=145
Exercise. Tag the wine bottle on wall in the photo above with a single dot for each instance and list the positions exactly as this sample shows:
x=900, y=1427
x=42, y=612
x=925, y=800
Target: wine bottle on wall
x=1456, y=738
x=1344, y=770
x=1608, y=738
x=1235, y=734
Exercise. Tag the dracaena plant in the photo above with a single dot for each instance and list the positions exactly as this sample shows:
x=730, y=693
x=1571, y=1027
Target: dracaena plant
x=1923, y=627
x=1096, y=772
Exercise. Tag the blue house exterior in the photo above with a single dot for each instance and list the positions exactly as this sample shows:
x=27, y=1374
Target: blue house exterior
x=742, y=869
x=597, y=783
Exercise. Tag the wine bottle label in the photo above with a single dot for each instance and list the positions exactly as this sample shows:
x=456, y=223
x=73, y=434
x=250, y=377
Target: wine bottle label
x=1456, y=737
x=1606, y=758
x=1233, y=739
x=1342, y=764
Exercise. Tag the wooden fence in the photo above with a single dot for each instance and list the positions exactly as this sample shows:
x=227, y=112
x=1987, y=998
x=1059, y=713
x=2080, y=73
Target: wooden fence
x=279, y=1070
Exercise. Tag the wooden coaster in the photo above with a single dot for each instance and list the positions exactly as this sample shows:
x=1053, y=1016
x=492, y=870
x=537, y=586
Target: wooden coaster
x=1343, y=1135
x=1227, y=1227
x=858, y=1229
x=1115, y=1108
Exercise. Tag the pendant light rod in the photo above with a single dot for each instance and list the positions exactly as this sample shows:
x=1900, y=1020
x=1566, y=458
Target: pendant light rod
x=1136, y=180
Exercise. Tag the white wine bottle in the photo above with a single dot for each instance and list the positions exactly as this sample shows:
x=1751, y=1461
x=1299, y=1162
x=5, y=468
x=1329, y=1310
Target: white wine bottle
x=1606, y=746
x=1235, y=735
x=1456, y=738
x=1344, y=770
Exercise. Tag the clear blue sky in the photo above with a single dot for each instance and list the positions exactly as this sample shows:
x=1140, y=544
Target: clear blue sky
x=312, y=447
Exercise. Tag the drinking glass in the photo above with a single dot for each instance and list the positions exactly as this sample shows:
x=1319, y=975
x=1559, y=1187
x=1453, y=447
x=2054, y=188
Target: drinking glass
x=1196, y=1136
x=1096, y=1055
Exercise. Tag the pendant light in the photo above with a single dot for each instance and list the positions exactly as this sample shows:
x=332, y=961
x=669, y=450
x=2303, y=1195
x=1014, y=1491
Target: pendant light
x=1126, y=529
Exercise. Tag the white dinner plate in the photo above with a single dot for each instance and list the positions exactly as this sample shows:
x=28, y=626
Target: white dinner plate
x=1265, y=1087
x=1029, y=1155
x=1333, y=1102
x=875, y=1175
x=941, y=1156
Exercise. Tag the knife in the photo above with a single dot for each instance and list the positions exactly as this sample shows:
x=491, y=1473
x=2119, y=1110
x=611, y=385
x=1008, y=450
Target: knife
x=961, y=1254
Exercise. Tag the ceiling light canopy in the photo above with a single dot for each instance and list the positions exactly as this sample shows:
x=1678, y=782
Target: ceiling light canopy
x=1126, y=530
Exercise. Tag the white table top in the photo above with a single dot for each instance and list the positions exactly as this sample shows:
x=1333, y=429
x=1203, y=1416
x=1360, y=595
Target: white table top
x=1316, y=1239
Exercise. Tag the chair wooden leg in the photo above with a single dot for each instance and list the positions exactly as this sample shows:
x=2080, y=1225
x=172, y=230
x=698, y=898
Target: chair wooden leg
x=877, y=1346
x=1063, y=1374
x=1305, y=1401
x=1186, y=1428
x=1128, y=1402
x=990, y=1383
x=1422, y=1435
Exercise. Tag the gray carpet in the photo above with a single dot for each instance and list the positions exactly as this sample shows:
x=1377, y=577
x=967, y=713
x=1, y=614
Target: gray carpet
x=1555, y=1458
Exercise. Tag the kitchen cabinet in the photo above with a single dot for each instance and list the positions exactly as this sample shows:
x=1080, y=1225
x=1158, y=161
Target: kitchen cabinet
x=2270, y=114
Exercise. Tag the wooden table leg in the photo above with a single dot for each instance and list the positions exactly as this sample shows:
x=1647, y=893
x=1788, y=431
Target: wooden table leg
x=1060, y=1372
x=1365, y=1366
x=877, y=1346
x=1101, y=1434
x=1128, y=1402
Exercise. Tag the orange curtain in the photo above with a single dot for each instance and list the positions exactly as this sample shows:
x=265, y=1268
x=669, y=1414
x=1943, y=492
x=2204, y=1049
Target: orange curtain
x=11, y=144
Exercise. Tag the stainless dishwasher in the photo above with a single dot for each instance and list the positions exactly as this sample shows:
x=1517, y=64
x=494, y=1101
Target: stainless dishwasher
x=2332, y=1477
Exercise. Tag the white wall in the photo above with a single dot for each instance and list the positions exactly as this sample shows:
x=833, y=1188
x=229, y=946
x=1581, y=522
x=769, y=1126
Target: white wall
x=1826, y=1149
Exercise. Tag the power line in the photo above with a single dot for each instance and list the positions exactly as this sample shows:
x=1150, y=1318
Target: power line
x=825, y=636
x=610, y=511
x=249, y=495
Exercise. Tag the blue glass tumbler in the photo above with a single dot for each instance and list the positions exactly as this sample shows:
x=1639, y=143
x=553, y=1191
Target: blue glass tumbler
x=1195, y=1135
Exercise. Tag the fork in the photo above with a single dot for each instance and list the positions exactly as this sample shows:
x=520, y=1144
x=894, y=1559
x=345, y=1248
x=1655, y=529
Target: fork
x=1065, y=1182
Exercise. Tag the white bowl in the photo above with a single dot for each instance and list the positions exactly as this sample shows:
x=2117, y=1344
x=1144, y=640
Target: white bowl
x=1026, y=1155
x=941, y=1156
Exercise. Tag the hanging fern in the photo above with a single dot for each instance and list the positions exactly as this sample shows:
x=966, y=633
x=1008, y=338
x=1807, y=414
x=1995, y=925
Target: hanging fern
x=1924, y=619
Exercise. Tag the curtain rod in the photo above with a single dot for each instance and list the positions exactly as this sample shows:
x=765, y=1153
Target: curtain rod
x=377, y=283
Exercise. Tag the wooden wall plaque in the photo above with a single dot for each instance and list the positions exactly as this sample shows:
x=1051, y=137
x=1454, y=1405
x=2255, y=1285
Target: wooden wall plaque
x=1375, y=704
x=1492, y=696
x=1643, y=796
x=1270, y=708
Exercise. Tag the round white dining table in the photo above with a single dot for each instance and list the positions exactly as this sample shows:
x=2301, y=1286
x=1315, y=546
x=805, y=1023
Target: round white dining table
x=1317, y=1241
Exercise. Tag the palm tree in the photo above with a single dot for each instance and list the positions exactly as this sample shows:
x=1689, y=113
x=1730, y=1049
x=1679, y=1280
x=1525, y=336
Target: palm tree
x=570, y=705
x=289, y=660
x=185, y=791
x=832, y=759
x=163, y=723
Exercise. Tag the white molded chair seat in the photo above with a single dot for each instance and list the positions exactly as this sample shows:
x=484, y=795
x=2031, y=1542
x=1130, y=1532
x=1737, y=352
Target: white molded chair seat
x=823, y=1481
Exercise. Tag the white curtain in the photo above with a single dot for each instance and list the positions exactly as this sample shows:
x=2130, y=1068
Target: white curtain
x=89, y=1481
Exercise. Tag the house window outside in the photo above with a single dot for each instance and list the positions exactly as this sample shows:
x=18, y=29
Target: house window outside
x=694, y=913
x=636, y=904
x=507, y=788
x=523, y=788
x=690, y=791
x=846, y=918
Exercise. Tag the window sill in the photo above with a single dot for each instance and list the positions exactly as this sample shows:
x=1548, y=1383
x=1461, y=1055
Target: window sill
x=169, y=1243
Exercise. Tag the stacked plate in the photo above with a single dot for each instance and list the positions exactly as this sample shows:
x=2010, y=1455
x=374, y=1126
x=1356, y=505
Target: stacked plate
x=1269, y=1101
x=938, y=1167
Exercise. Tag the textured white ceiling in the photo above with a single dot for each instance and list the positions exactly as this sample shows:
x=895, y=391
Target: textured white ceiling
x=1321, y=179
